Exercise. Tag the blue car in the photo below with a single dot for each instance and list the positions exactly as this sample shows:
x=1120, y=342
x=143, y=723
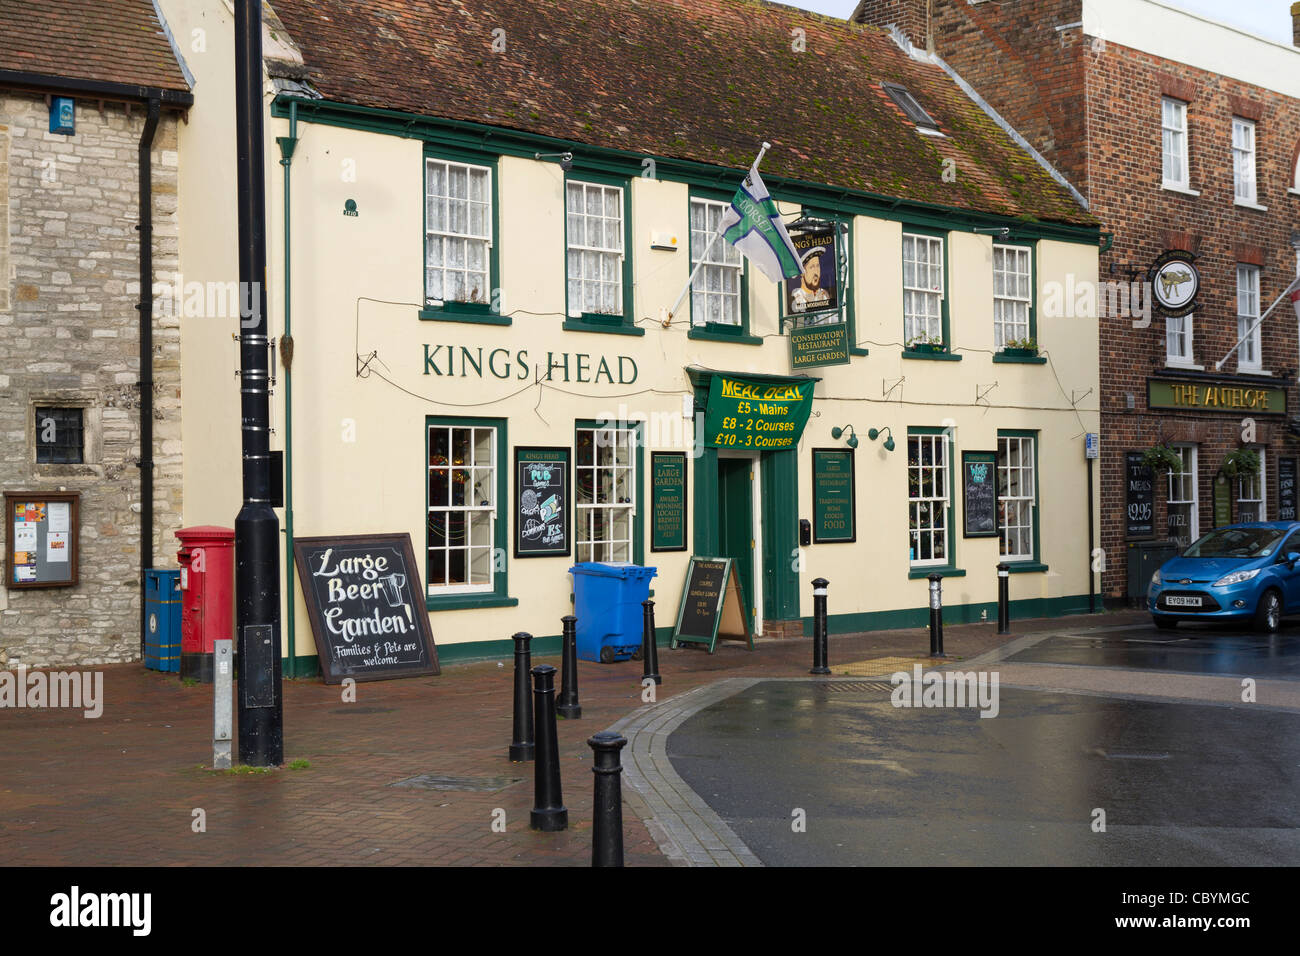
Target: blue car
x=1236, y=573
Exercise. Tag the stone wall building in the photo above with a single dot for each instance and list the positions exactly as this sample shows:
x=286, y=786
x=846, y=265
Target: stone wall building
x=1182, y=133
x=70, y=345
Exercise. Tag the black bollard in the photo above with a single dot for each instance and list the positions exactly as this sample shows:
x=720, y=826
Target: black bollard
x=522, y=748
x=936, y=615
x=568, y=707
x=1004, y=605
x=607, y=822
x=548, y=813
x=649, y=650
x=820, y=651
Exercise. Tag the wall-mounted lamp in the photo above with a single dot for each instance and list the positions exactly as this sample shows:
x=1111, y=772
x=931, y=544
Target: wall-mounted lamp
x=566, y=159
x=875, y=433
x=836, y=432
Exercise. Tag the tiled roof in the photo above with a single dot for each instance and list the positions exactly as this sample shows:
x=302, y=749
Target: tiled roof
x=703, y=80
x=108, y=41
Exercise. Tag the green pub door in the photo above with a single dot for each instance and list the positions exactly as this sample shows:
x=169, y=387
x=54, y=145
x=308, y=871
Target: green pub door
x=736, y=523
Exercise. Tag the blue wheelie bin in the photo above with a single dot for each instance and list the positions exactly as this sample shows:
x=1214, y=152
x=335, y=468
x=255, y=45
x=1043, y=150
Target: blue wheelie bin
x=607, y=603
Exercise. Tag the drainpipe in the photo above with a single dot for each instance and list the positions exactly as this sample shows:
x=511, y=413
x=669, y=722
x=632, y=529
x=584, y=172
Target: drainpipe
x=145, y=308
x=287, y=144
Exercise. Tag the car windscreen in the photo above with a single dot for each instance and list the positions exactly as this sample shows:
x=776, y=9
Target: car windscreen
x=1237, y=543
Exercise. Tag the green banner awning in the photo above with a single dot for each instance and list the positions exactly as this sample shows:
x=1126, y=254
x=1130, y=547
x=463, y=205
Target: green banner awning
x=752, y=413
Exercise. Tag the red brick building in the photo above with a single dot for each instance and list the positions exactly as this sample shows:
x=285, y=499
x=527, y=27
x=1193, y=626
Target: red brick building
x=1182, y=134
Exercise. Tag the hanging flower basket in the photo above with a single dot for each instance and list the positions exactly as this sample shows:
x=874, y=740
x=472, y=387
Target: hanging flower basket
x=1162, y=458
x=1243, y=461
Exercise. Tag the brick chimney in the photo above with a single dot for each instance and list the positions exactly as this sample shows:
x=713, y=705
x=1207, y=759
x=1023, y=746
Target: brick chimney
x=1295, y=23
x=910, y=16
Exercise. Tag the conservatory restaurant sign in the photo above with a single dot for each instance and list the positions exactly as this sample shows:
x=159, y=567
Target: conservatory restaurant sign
x=1216, y=397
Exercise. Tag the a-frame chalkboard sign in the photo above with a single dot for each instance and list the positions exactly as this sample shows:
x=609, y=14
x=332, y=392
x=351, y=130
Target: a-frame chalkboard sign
x=711, y=606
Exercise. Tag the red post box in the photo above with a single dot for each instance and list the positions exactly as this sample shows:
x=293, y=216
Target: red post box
x=207, y=559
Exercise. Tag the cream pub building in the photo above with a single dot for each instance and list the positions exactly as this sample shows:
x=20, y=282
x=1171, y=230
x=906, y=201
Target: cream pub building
x=481, y=220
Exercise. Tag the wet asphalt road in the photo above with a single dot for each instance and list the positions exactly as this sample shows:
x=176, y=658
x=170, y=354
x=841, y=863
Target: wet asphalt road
x=1181, y=784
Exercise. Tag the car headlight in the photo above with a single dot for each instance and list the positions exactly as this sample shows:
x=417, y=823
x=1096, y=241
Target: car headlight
x=1155, y=578
x=1236, y=577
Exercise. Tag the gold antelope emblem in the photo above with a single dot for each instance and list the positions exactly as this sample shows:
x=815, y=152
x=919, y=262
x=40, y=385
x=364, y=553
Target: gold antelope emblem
x=1172, y=280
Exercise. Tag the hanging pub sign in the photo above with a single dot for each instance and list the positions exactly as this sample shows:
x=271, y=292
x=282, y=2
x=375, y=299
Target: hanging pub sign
x=1139, y=497
x=365, y=601
x=979, y=480
x=1216, y=396
x=668, y=501
x=813, y=346
x=817, y=288
x=748, y=413
x=833, y=495
x=710, y=608
x=1286, y=489
x=541, y=502
x=1175, y=282
x=41, y=533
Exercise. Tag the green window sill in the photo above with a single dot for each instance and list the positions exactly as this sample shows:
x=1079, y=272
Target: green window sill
x=454, y=314
x=1019, y=359
x=854, y=350
x=457, y=602
x=717, y=334
x=1024, y=567
x=946, y=570
x=613, y=326
x=932, y=356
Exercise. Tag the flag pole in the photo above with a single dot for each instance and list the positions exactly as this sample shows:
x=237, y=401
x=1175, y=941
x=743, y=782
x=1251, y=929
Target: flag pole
x=1251, y=331
x=709, y=248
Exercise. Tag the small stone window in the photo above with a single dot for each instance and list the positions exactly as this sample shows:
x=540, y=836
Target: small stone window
x=59, y=436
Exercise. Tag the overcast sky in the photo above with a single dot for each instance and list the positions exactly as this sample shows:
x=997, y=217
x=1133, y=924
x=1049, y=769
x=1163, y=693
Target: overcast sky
x=1267, y=18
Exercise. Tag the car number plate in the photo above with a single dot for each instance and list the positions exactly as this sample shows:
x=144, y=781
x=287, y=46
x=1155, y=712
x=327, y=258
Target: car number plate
x=1183, y=601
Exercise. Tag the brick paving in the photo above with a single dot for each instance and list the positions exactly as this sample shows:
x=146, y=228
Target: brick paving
x=122, y=789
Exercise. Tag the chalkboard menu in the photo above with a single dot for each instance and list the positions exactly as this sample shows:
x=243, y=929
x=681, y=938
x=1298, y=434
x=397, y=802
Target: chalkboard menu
x=541, y=502
x=1286, y=489
x=833, y=495
x=979, y=482
x=367, y=609
x=41, y=532
x=710, y=608
x=668, y=501
x=1139, y=497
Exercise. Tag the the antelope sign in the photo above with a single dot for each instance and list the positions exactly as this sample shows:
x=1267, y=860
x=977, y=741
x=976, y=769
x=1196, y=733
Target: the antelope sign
x=1175, y=282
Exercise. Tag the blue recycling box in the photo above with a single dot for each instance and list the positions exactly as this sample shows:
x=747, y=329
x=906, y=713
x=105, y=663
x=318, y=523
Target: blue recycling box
x=607, y=603
x=162, y=605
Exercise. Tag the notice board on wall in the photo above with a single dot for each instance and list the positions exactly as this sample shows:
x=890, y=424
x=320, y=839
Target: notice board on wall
x=668, y=501
x=1139, y=497
x=834, y=495
x=1286, y=489
x=41, y=533
x=367, y=608
x=979, y=492
x=541, y=502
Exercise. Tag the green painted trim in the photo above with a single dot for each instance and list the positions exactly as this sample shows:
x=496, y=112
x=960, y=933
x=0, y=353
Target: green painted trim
x=854, y=623
x=779, y=471
x=465, y=135
x=638, y=518
x=854, y=350
x=458, y=315
x=705, y=496
x=1024, y=567
x=460, y=602
x=926, y=430
x=463, y=311
x=297, y=668
x=708, y=334
x=946, y=570
x=500, y=592
x=1035, y=435
x=600, y=322
x=742, y=331
x=599, y=325
x=1003, y=358
x=932, y=356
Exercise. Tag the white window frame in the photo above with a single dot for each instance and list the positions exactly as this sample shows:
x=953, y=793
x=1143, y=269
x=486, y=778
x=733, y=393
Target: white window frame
x=720, y=281
x=1174, y=134
x=594, y=265
x=475, y=480
x=1244, y=181
x=939, y=499
x=446, y=237
x=623, y=441
x=1253, y=489
x=1187, y=481
x=1184, y=336
x=1023, y=502
x=923, y=294
x=1249, y=355
x=1018, y=301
